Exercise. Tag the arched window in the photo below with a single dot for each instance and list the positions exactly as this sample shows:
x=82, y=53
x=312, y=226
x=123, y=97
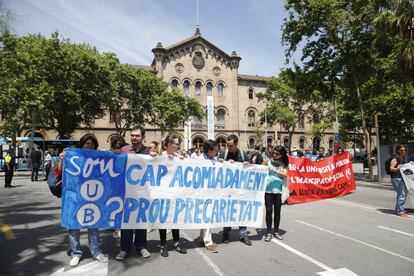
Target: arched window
x=186, y=88
x=269, y=141
x=302, y=141
x=251, y=143
x=220, y=89
x=251, y=118
x=174, y=84
x=331, y=143
x=286, y=142
x=221, y=141
x=198, y=88
x=209, y=87
x=221, y=113
x=198, y=142
x=250, y=93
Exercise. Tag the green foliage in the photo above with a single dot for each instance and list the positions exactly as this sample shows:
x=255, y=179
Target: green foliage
x=292, y=97
x=172, y=109
x=68, y=86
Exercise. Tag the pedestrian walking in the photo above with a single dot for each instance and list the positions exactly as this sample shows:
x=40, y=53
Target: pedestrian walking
x=397, y=180
x=35, y=160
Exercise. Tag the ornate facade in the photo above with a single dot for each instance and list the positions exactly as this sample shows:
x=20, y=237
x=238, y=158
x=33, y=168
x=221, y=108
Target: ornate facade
x=198, y=68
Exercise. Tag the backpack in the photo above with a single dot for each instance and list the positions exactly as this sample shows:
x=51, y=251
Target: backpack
x=388, y=165
x=54, y=180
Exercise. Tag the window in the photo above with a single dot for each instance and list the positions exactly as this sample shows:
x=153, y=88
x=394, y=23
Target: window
x=302, y=142
x=221, y=118
x=251, y=143
x=220, y=89
x=186, y=88
x=269, y=141
x=174, y=84
x=331, y=143
x=198, y=123
x=198, y=142
x=286, y=142
x=221, y=143
x=251, y=117
x=301, y=121
x=198, y=88
x=114, y=117
x=250, y=93
x=209, y=87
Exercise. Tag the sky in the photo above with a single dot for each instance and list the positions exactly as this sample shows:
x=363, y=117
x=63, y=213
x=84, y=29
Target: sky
x=131, y=28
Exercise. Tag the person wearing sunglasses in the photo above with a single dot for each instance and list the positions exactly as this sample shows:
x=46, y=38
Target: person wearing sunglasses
x=276, y=178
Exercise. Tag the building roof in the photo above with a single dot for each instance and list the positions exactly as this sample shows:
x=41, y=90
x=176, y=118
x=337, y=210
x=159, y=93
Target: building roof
x=252, y=77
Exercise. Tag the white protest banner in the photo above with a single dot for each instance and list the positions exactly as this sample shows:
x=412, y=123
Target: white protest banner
x=130, y=191
x=407, y=172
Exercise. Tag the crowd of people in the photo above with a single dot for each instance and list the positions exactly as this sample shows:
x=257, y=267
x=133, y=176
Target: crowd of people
x=171, y=146
x=275, y=158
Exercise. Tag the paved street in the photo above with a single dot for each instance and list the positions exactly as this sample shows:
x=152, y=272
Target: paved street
x=355, y=233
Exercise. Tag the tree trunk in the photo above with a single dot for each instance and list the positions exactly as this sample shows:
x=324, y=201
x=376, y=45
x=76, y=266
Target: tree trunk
x=364, y=126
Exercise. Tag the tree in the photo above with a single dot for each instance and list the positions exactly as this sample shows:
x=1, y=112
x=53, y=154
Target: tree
x=395, y=33
x=173, y=109
x=291, y=98
x=51, y=83
x=338, y=46
x=7, y=17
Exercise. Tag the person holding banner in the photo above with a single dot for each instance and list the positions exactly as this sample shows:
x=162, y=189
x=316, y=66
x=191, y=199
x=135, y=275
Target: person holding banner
x=276, y=178
x=127, y=235
x=233, y=154
x=210, y=150
x=172, y=147
x=87, y=141
x=397, y=180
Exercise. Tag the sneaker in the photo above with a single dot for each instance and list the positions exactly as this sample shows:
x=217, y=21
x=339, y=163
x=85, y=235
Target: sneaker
x=403, y=214
x=268, y=237
x=212, y=248
x=178, y=248
x=121, y=255
x=101, y=258
x=226, y=237
x=246, y=240
x=74, y=261
x=164, y=251
x=144, y=253
x=278, y=236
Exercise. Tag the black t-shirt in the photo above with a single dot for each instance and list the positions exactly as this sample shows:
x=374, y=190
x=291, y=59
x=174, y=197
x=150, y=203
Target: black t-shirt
x=401, y=161
x=143, y=150
x=236, y=156
x=36, y=156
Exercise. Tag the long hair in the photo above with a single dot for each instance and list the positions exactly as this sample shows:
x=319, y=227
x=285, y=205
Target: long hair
x=282, y=150
x=86, y=137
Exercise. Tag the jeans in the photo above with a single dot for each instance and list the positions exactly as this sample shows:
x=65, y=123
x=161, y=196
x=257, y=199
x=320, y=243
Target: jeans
x=74, y=242
x=242, y=231
x=399, y=187
x=140, y=240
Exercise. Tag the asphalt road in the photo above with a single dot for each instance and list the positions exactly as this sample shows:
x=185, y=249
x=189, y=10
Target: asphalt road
x=357, y=233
